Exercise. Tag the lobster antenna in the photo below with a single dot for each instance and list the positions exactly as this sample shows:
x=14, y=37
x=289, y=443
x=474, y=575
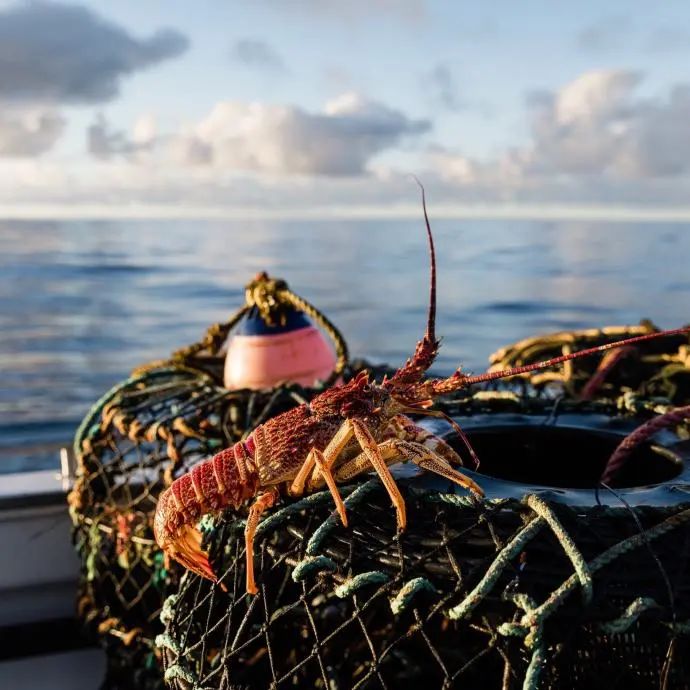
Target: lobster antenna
x=492, y=376
x=431, y=319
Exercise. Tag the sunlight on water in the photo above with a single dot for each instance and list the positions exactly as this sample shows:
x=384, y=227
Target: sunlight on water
x=82, y=303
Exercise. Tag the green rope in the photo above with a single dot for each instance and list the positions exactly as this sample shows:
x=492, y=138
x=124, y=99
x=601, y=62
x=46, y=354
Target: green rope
x=312, y=564
x=631, y=543
x=494, y=571
x=349, y=587
x=314, y=543
x=459, y=500
x=277, y=518
x=403, y=598
x=629, y=616
x=543, y=510
x=165, y=641
x=167, y=613
x=537, y=662
x=177, y=671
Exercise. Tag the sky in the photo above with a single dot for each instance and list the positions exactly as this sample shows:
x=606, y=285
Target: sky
x=289, y=108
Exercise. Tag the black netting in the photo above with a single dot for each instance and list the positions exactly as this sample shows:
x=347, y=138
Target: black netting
x=135, y=441
x=503, y=593
x=306, y=632
x=145, y=433
x=452, y=602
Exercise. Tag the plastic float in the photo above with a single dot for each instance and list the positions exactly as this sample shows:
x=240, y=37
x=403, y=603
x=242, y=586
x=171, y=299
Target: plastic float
x=275, y=342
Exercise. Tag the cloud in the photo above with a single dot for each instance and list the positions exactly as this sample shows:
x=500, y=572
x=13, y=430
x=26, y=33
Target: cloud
x=595, y=140
x=592, y=139
x=258, y=54
x=29, y=131
x=104, y=142
x=52, y=52
x=595, y=125
x=282, y=140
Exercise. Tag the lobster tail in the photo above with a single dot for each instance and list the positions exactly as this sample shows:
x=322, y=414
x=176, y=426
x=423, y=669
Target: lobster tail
x=427, y=348
x=225, y=480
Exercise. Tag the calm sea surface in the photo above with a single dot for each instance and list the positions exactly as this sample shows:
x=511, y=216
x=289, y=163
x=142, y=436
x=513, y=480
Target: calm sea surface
x=81, y=303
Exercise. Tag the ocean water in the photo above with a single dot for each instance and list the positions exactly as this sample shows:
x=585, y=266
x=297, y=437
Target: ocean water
x=82, y=303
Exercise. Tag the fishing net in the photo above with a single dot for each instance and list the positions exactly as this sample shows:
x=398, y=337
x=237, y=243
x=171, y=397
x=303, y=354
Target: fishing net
x=531, y=587
x=133, y=443
x=655, y=368
x=543, y=588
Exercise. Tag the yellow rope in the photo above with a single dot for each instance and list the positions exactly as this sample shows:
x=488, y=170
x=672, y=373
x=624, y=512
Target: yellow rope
x=270, y=296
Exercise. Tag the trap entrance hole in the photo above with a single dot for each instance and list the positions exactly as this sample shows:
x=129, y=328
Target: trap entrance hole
x=564, y=457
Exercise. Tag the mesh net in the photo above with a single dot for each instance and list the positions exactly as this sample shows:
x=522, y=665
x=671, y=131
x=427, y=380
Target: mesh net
x=502, y=593
x=141, y=436
x=655, y=368
x=156, y=425
x=138, y=438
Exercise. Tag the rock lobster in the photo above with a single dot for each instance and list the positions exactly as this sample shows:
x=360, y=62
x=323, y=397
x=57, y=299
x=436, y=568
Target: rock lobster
x=344, y=431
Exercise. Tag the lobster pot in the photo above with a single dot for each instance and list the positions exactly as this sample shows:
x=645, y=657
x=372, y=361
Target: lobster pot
x=532, y=587
x=656, y=368
x=137, y=440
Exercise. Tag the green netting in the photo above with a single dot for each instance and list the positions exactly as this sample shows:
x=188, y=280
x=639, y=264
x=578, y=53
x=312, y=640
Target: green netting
x=505, y=593
x=133, y=443
x=496, y=594
x=158, y=424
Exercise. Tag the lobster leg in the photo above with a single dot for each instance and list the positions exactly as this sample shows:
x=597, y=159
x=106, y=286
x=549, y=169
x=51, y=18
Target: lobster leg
x=330, y=453
x=403, y=428
x=324, y=467
x=371, y=451
x=262, y=502
x=396, y=450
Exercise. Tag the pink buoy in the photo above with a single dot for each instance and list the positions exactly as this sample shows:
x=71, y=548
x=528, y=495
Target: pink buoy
x=260, y=355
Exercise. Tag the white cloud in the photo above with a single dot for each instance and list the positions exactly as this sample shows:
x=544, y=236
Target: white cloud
x=595, y=141
x=594, y=136
x=278, y=139
x=29, y=131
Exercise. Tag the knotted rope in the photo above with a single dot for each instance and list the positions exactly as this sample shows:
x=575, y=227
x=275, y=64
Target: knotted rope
x=619, y=456
x=270, y=297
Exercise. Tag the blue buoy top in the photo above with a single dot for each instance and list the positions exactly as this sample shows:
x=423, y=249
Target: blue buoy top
x=253, y=324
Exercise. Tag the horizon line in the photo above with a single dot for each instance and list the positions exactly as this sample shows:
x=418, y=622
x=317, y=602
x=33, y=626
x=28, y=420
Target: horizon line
x=565, y=212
